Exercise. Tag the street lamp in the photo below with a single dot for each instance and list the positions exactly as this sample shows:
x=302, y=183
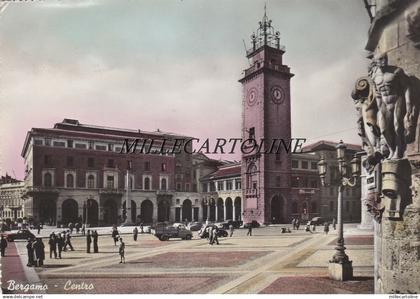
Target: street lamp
x=340, y=267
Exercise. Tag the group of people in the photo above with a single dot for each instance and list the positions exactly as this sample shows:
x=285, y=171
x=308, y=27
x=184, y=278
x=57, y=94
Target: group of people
x=92, y=236
x=36, y=252
x=212, y=234
x=296, y=223
x=59, y=242
x=78, y=226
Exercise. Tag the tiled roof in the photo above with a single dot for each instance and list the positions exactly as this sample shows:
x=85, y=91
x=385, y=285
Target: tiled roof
x=322, y=144
x=224, y=172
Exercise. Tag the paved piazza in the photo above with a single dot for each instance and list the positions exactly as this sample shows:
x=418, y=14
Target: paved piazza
x=268, y=262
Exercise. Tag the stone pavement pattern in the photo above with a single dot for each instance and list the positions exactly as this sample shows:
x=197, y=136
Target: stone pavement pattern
x=268, y=262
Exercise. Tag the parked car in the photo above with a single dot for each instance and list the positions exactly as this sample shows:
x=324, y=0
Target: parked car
x=22, y=234
x=204, y=233
x=318, y=221
x=194, y=226
x=254, y=224
x=226, y=224
x=164, y=233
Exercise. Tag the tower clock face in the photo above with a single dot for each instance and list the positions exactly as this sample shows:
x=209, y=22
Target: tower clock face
x=252, y=96
x=277, y=95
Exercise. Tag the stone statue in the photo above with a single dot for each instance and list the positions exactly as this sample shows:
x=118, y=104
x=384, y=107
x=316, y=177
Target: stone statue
x=397, y=110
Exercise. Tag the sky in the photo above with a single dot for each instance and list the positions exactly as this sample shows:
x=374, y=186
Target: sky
x=172, y=65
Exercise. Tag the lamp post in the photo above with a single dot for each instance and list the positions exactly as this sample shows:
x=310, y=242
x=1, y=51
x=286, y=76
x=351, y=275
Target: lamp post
x=340, y=267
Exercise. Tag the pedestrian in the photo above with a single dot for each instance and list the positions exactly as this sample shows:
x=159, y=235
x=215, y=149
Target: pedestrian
x=231, y=228
x=38, y=247
x=95, y=241
x=141, y=228
x=135, y=233
x=67, y=241
x=30, y=251
x=39, y=228
x=71, y=227
x=215, y=232
x=249, y=233
x=88, y=241
x=122, y=251
x=211, y=237
x=60, y=244
x=334, y=223
x=297, y=222
x=308, y=227
x=3, y=245
x=84, y=229
x=326, y=228
x=53, y=245
x=77, y=226
x=294, y=223
x=115, y=235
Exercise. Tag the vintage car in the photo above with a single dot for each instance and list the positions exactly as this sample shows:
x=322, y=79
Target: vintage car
x=254, y=224
x=194, y=226
x=204, y=232
x=22, y=234
x=318, y=221
x=164, y=233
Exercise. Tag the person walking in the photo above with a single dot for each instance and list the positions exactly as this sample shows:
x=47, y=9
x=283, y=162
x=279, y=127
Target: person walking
x=88, y=241
x=231, y=229
x=60, y=244
x=215, y=238
x=115, y=235
x=211, y=237
x=39, y=228
x=38, y=247
x=77, y=226
x=249, y=233
x=122, y=251
x=30, y=251
x=53, y=245
x=67, y=241
x=71, y=227
x=141, y=228
x=135, y=233
x=308, y=227
x=95, y=241
x=294, y=223
x=3, y=245
x=326, y=228
x=334, y=223
x=84, y=229
x=297, y=222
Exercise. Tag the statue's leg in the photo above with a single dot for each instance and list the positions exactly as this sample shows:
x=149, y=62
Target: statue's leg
x=399, y=113
x=385, y=121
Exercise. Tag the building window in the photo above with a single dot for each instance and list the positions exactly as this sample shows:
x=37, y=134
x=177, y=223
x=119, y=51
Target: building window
x=146, y=183
x=110, y=182
x=69, y=181
x=278, y=181
x=163, y=167
x=163, y=184
x=100, y=147
x=219, y=186
x=90, y=144
x=147, y=166
x=91, y=162
x=47, y=141
x=204, y=187
x=47, y=180
x=295, y=164
x=70, y=161
x=80, y=145
x=70, y=143
x=314, y=165
x=91, y=181
x=238, y=184
x=305, y=164
x=59, y=143
x=295, y=181
x=37, y=142
x=110, y=163
x=178, y=186
x=187, y=187
x=229, y=185
x=212, y=187
x=110, y=147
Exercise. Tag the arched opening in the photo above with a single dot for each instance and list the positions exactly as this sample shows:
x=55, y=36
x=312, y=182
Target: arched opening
x=238, y=208
x=220, y=215
x=110, y=212
x=163, y=210
x=186, y=210
x=70, y=211
x=212, y=216
x=47, y=179
x=92, y=212
x=277, y=209
x=229, y=208
x=70, y=181
x=133, y=211
x=251, y=177
x=146, y=213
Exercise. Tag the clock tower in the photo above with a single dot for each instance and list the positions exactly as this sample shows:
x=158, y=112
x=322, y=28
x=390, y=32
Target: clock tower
x=265, y=118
